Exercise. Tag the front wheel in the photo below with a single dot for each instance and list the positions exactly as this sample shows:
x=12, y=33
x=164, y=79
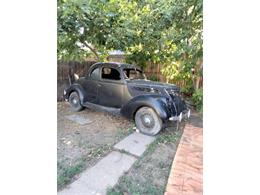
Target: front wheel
x=147, y=121
x=75, y=101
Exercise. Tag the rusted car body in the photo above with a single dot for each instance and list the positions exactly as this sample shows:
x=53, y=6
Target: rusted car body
x=124, y=88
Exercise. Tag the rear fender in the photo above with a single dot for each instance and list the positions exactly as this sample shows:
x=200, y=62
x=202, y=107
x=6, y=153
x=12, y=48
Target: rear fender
x=156, y=102
x=79, y=89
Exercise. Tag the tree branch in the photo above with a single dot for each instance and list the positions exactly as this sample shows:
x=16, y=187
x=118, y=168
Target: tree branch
x=91, y=49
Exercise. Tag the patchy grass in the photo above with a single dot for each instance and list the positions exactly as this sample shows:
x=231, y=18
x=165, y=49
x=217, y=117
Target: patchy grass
x=98, y=152
x=121, y=133
x=68, y=173
x=150, y=172
x=127, y=183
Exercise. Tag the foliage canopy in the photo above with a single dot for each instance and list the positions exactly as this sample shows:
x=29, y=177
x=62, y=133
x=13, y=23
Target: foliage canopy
x=165, y=32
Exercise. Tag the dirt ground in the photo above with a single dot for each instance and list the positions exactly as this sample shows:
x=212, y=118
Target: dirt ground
x=81, y=146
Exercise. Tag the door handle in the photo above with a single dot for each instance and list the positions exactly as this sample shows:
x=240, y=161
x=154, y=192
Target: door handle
x=99, y=85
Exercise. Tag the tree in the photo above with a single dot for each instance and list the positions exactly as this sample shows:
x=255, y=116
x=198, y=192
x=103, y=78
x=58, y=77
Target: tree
x=164, y=32
x=83, y=27
x=185, y=48
x=88, y=27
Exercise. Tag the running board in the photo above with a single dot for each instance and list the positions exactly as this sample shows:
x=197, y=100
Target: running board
x=115, y=111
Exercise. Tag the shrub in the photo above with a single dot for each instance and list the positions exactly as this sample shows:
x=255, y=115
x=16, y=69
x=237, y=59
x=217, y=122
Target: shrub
x=153, y=78
x=187, y=90
x=197, y=98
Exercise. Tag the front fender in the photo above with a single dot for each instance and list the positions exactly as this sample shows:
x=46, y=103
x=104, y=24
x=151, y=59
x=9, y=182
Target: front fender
x=156, y=102
x=79, y=89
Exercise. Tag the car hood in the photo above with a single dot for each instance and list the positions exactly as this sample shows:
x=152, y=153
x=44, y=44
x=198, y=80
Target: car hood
x=141, y=87
x=151, y=84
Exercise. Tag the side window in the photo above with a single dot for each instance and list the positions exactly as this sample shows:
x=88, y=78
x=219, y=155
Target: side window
x=110, y=73
x=95, y=74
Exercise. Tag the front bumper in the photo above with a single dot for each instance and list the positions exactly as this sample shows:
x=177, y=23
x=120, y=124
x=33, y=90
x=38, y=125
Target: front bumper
x=65, y=95
x=182, y=115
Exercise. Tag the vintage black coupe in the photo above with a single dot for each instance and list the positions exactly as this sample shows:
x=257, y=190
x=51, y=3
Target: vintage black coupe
x=119, y=87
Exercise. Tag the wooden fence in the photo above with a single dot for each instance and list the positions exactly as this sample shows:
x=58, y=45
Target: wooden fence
x=65, y=69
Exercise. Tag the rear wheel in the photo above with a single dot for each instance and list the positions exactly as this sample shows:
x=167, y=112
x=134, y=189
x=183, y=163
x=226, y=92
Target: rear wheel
x=75, y=102
x=147, y=121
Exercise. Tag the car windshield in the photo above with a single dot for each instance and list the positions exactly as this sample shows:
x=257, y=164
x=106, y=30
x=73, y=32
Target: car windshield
x=133, y=73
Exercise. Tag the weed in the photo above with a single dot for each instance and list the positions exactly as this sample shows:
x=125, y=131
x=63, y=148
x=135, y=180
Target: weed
x=111, y=191
x=129, y=185
x=124, y=132
x=100, y=151
x=197, y=98
x=161, y=164
x=164, y=138
x=65, y=174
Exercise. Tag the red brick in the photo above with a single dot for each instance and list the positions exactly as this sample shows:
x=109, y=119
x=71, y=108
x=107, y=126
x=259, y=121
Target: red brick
x=186, y=173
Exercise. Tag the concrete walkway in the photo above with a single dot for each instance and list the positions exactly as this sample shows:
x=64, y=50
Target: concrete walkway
x=186, y=173
x=135, y=144
x=95, y=180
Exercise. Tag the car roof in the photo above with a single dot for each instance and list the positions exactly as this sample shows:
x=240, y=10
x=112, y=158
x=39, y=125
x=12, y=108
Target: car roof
x=114, y=64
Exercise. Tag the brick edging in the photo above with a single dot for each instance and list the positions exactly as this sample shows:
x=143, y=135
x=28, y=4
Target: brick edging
x=187, y=168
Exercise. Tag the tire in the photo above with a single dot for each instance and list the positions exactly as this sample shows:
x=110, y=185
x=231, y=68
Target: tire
x=147, y=121
x=74, y=101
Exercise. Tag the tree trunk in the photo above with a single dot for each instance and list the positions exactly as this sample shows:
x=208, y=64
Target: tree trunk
x=91, y=49
x=158, y=71
x=197, y=78
x=197, y=84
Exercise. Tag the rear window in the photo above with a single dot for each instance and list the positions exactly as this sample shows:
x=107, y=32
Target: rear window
x=110, y=73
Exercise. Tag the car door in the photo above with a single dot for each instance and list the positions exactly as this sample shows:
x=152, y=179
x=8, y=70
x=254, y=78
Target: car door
x=111, y=87
x=91, y=85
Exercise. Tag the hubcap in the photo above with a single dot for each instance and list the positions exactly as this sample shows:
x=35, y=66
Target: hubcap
x=74, y=101
x=147, y=121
